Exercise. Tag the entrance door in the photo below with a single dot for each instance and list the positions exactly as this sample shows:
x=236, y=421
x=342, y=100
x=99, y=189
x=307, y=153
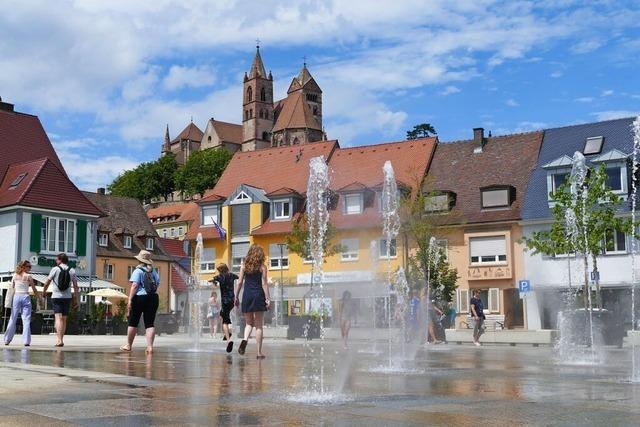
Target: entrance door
x=514, y=310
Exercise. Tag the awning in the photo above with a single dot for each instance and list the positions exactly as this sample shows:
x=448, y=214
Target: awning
x=335, y=290
x=84, y=282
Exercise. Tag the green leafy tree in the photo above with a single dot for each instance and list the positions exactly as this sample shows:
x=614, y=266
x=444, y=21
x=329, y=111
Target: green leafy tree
x=298, y=240
x=421, y=131
x=202, y=171
x=596, y=209
x=133, y=183
x=161, y=176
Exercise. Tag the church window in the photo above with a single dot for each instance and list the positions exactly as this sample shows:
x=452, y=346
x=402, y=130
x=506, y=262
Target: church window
x=263, y=95
x=246, y=114
x=315, y=110
x=251, y=113
x=265, y=136
x=209, y=138
x=249, y=94
x=312, y=97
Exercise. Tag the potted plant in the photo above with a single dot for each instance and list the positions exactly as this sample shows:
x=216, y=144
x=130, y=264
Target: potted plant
x=73, y=322
x=97, y=318
x=119, y=321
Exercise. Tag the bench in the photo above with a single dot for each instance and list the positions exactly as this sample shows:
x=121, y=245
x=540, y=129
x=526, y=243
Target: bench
x=492, y=322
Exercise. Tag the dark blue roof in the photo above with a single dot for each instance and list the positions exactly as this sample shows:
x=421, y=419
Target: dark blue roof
x=558, y=142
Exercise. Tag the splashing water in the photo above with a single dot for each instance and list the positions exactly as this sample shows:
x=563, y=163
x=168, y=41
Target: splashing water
x=195, y=294
x=635, y=364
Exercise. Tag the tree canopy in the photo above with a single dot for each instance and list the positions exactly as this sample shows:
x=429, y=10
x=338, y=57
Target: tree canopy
x=421, y=130
x=202, y=171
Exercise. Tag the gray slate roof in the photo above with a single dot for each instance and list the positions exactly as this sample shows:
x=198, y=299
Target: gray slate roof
x=566, y=141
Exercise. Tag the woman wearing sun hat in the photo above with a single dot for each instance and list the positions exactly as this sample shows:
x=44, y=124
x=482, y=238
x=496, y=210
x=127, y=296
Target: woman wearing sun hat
x=143, y=301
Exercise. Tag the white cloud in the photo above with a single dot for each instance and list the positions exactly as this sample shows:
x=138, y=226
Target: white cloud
x=614, y=114
x=584, y=99
x=607, y=92
x=449, y=90
x=556, y=74
x=511, y=102
x=586, y=46
x=179, y=77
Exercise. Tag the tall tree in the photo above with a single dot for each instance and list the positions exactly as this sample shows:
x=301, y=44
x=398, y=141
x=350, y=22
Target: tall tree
x=421, y=130
x=202, y=171
x=596, y=208
x=162, y=176
x=298, y=239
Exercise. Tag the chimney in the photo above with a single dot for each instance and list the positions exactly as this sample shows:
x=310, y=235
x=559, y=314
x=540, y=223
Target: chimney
x=478, y=140
x=5, y=106
x=102, y=191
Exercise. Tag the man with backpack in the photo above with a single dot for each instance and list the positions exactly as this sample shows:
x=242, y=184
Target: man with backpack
x=62, y=299
x=143, y=301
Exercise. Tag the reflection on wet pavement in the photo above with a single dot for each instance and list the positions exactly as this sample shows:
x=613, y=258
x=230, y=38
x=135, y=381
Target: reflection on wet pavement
x=453, y=385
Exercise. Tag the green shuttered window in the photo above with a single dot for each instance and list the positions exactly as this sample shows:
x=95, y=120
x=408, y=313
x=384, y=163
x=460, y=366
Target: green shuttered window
x=36, y=226
x=81, y=242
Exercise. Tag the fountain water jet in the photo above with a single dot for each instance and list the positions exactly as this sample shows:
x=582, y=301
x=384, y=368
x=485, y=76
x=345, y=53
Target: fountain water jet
x=635, y=363
x=195, y=295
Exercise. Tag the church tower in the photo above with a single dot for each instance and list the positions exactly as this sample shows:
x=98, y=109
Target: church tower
x=257, y=106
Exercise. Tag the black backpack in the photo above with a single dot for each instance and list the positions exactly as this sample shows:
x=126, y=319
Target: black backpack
x=64, y=279
x=148, y=282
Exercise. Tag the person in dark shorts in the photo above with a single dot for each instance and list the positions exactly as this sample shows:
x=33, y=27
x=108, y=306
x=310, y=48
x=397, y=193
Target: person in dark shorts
x=226, y=280
x=63, y=277
x=255, y=299
x=347, y=314
x=477, y=312
x=143, y=301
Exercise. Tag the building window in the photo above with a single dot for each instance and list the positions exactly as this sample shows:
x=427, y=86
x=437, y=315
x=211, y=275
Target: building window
x=315, y=110
x=238, y=252
x=57, y=235
x=251, y=113
x=496, y=197
x=281, y=209
x=249, y=94
x=261, y=114
x=488, y=250
x=210, y=215
x=172, y=233
x=130, y=270
x=246, y=114
x=149, y=243
x=615, y=178
x=593, y=145
x=103, y=239
x=208, y=261
x=350, y=249
x=393, y=249
x=462, y=296
x=180, y=231
x=437, y=203
x=109, y=270
x=164, y=233
x=353, y=204
x=615, y=242
x=127, y=242
x=265, y=136
x=17, y=181
x=263, y=94
x=556, y=179
x=278, y=260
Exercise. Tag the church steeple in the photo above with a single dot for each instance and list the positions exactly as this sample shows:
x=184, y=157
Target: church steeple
x=257, y=106
x=257, y=68
x=166, y=147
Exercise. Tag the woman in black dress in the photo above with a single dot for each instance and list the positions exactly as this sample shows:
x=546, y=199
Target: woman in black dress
x=255, y=299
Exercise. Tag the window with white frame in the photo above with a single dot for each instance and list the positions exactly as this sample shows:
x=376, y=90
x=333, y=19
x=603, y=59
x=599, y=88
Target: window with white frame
x=436, y=203
x=493, y=303
x=615, y=242
x=462, y=297
x=353, y=203
x=555, y=180
x=350, y=252
x=172, y=233
x=210, y=215
x=103, y=239
x=382, y=249
x=149, y=243
x=281, y=209
x=130, y=270
x=180, y=231
x=488, y=250
x=127, y=242
x=208, y=261
x=109, y=271
x=58, y=235
x=278, y=260
x=164, y=233
x=238, y=252
x=495, y=197
x=615, y=178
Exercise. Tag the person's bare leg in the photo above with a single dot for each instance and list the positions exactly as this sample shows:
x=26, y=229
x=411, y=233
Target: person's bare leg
x=258, y=320
x=225, y=331
x=131, y=335
x=215, y=326
x=248, y=328
x=59, y=332
x=211, y=323
x=150, y=335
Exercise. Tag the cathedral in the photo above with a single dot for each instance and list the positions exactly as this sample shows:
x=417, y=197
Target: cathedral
x=293, y=120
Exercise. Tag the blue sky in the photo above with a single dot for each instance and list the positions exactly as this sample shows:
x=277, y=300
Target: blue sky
x=106, y=77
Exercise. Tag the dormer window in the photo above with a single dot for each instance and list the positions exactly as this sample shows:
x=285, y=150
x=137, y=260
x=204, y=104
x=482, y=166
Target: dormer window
x=353, y=203
x=282, y=209
x=149, y=244
x=558, y=178
x=210, y=215
x=127, y=242
x=17, y=181
x=439, y=203
x=614, y=178
x=497, y=197
x=593, y=145
x=615, y=162
x=103, y=239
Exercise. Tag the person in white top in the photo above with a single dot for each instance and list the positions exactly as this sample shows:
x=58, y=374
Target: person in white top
x=61, y=298
x=21, y=305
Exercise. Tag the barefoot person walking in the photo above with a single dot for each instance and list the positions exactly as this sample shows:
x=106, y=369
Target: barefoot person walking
x=21, y=282
x=213, y=313
x=477, y=312
x=226, y=280
x=62, y=277
x=143, y=301
x=255, y=299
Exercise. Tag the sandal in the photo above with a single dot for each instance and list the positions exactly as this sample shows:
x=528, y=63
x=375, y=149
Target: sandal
x=260, y=357
x=229, y=346
x=243, y=346
x=126, y=348
x=60, y=344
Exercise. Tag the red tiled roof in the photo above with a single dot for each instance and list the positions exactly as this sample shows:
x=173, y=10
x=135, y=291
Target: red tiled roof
x=283, y=192
x=173, y=247
x=178, y=283
x=208, y=232
x=228, y=132
x=184, y=211
x=505, y=160
x=271, y=168
x=275, y=227
x=191, y=133
x=210, y=197
x=296, y=114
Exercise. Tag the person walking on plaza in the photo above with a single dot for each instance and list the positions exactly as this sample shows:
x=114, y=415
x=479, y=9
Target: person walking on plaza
x=21, y=305
x=143, y=301
x=255, y=299
x=432, y=314
x=347, y=314
x=477, y=312
x=226, y=280
x=414, y=314
x=213, y=313
x=62, y=300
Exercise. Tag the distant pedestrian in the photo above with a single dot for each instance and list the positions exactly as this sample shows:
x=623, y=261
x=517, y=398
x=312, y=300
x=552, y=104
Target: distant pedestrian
x=213, y=314
x=21, y=306
x=347, y=312
x=255, y=299
x=414, y=316
x=62, y=300
x=451, y=315
x=226, y=280
x=143, y=301
x=432, y=314
x=477, y=312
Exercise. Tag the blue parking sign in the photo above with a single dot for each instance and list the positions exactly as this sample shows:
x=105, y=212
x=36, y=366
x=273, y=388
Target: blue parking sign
x=524, y=286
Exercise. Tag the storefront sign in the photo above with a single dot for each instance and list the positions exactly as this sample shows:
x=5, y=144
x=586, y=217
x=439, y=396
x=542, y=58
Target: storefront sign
x=337, y=277
x=51, y=262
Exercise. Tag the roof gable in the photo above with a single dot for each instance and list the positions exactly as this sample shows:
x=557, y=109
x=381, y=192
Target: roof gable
x=227, y=132
x=611, y=156
x=252, y=194
x=189, y=133
x=560, y=162
x=296, y=114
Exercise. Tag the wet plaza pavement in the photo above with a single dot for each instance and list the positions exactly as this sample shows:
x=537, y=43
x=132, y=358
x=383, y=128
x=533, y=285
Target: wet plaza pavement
x=94, y=385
